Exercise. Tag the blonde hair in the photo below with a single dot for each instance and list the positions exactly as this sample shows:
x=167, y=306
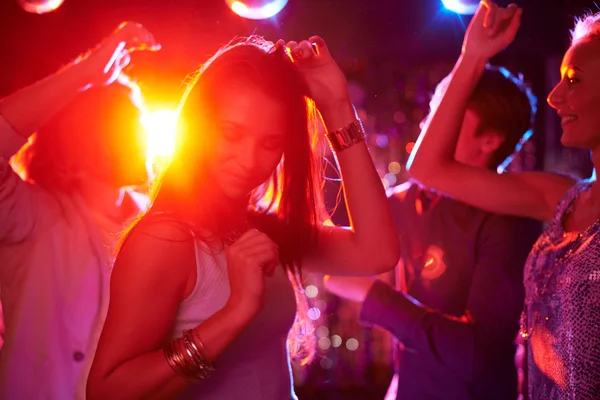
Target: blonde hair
x=586, y=27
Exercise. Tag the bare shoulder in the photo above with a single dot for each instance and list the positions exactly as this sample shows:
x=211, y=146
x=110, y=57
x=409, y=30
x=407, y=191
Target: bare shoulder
x=155, y=253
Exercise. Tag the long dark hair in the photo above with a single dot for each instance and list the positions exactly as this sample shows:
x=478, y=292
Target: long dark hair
x=287, y=206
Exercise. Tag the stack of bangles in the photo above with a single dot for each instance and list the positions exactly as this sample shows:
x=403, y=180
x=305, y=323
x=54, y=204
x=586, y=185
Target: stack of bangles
x=187, y=358
x=347, y=136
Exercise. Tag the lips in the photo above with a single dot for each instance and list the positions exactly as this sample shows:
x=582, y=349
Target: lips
x=567, y=118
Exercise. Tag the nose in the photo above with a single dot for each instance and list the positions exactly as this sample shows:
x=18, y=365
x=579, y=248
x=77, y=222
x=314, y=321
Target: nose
x=556, y=97
x=248, y=157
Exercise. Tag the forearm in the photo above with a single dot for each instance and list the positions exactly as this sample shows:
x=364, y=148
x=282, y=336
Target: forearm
x=437, y=144
x=367, y=205
x=150, y=376
x=30, y=108
x=447, y=339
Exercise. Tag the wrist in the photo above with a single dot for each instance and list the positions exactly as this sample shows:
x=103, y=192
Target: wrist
x=472, y=63
x=337, y=114
x=241, y=311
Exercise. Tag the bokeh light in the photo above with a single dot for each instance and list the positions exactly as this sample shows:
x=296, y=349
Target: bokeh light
x=256, y=9
x=40, y=6
x=322, y=331
x=326, y=363
x=352, y=344
x=394, y=167
x=336, y=340
x=314, y=313
x=311, y=291
x=324, y=343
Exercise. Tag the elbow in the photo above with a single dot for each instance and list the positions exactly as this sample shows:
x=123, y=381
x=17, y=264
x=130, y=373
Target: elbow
x=386, y=258
x=420, y=171
x=98, y=387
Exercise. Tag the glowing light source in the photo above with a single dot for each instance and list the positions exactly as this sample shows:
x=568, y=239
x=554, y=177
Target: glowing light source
x=160, y=129
x=256, y=9
x=465, y=7
x=40, y=6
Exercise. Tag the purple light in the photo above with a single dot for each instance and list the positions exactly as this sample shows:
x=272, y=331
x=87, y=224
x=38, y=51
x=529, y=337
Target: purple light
x=465, y=7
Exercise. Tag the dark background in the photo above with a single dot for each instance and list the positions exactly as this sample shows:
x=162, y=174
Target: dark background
x=393, y=52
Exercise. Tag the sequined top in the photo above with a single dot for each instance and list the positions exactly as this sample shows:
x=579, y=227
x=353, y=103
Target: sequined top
x=562, y=309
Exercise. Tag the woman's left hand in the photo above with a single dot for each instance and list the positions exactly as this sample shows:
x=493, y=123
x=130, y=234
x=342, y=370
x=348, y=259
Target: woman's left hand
x=325, y=79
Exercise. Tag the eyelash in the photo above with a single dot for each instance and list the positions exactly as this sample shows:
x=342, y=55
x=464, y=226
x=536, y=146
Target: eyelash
x=272, y=146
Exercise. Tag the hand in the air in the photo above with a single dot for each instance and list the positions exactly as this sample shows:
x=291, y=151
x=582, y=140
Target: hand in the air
x=349, y=288
x=325, y=79
x=491, y=30
x=105, y=62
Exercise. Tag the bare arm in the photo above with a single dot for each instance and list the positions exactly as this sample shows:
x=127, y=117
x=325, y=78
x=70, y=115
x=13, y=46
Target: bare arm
x=370, y=246
x=153, y=273
x=525, y=194
x=529, y=194
x=30, y=108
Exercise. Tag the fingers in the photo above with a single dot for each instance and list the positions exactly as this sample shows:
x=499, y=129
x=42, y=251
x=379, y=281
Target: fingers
x=114, y=59
x=293, y=49
x=514, y=24
x=319, y=45
x=124, y=60
x=137, y=37
x=257, y=246
x=306, y=49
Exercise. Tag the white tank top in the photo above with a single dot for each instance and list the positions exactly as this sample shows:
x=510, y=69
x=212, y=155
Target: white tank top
x=256, y=365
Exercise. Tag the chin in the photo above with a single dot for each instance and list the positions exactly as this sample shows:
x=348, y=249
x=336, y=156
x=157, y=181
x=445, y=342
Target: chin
x=235, y=194
x=577, y=141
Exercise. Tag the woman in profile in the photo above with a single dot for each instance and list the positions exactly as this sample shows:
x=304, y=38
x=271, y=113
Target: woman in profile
x=561, y=321
x=206, y=285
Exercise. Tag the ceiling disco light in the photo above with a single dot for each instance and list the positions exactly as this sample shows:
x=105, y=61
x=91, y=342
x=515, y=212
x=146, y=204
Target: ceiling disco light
x=465, y=7
x=40, y=6
x=256, y=9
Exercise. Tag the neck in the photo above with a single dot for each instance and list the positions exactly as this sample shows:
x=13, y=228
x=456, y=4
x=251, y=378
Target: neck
x=104, y=198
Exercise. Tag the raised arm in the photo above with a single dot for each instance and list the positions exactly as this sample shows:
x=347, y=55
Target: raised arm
x=153, y=273
x=30, y=108
x=530, y=194
x=370, y=246
x=25, y=111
